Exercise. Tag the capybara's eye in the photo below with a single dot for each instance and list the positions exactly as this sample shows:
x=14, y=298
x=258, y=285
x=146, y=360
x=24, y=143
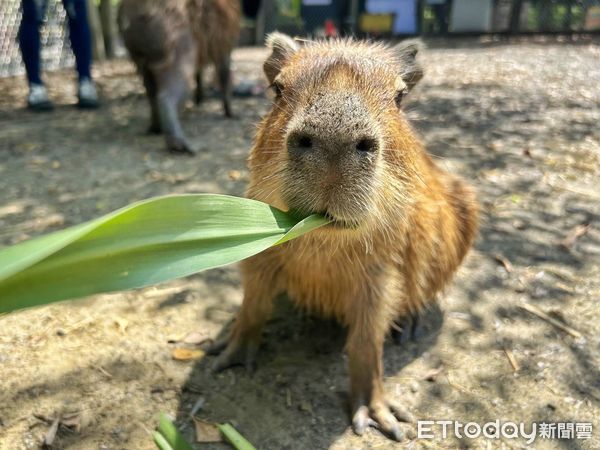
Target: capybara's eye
x=399, y=96
x=277, y=88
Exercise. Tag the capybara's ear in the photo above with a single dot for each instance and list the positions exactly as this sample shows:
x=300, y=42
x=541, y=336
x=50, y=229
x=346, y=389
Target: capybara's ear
x=283, y=47
x=410, y=69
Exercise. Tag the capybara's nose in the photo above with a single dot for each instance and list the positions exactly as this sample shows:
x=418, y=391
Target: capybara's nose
x=304, y=143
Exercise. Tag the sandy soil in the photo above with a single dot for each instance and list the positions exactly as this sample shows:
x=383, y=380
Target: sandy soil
x=519, y=121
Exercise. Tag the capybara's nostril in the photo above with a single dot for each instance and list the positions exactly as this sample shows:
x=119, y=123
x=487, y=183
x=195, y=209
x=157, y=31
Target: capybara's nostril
x=305, y=142
x=366, y=145
x=300, y=142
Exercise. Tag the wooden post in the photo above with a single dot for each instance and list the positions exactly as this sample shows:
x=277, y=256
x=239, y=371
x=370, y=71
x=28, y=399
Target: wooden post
x=515, y=16
x=107, y=19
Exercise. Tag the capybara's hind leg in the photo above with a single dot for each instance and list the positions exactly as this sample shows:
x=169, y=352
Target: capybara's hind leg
x=413, y=326
x=224, y=76
x=151, y=92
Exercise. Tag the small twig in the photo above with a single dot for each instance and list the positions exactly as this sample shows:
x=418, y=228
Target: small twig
x=577, y=232
x=197, y=406
x=542, y=315
x=504, y=262
x=511, y=359
x=104, y=371
x=457, y=386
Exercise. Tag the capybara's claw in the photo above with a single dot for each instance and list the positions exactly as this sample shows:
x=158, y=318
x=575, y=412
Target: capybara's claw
x=382, y=415
x=236, y=353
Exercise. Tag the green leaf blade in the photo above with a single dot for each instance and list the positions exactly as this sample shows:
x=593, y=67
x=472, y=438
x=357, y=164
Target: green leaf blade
x=145, y=243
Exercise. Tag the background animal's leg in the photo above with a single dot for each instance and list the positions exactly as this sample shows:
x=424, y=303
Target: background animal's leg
x=151, y=92
x=173, y=88
x=199, y=97
x=365, y=353
x=241, y=346
x=225, y=84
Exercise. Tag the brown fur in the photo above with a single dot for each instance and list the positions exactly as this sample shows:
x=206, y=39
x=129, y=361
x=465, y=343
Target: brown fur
x=402, y=224
x=170, y=42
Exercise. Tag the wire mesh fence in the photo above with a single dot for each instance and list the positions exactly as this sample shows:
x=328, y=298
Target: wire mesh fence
x=56, y=51
x=315, y=18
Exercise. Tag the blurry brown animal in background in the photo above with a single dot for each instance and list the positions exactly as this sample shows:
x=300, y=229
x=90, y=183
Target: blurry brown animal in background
x=170, y=41
x=336, y=142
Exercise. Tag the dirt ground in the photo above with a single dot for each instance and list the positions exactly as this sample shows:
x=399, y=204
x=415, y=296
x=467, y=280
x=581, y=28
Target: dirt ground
x=520, y=121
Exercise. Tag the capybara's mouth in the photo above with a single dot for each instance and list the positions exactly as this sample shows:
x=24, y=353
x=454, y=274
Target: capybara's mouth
x=337, y=222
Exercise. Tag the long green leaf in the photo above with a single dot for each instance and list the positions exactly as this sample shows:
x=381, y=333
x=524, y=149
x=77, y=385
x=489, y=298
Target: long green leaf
x=161, y=442
x=142, y=244
x=169, y=431
x=235, y=438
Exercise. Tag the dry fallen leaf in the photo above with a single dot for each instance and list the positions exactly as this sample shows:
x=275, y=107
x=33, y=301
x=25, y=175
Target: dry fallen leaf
x=235, y=175
x=51, y=433
x=186, y=354
x=207, y=431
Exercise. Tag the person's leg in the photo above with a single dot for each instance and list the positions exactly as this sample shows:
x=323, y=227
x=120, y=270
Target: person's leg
x=81, y=43
x=29, y=39
x=29, y=43
x=79, y=34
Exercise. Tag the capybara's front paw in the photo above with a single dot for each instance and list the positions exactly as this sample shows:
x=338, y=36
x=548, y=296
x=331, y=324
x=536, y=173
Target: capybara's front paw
x=234, y=351
x=382, y=414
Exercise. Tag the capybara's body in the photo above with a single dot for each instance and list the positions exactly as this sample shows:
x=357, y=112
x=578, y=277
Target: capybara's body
x=170, y=41
x=336, y=142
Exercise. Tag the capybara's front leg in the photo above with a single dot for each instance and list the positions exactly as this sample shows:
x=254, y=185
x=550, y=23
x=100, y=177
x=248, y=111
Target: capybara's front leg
x=241, y=345
x=365, y=354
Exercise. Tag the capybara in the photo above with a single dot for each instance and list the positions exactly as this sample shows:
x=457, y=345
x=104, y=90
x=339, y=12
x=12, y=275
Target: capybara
x=337, y=142
x=170, y=41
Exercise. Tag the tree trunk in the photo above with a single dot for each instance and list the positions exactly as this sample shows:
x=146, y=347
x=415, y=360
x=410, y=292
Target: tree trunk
x=568, y=19
x=545, y=9
x=96, y=31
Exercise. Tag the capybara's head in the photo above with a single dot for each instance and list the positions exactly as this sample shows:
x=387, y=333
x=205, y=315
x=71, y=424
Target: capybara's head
x=336, y=137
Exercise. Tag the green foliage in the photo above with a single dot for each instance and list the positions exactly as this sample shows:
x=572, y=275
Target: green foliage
x=142, y=244
x=235, y=438
x=167, y=437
